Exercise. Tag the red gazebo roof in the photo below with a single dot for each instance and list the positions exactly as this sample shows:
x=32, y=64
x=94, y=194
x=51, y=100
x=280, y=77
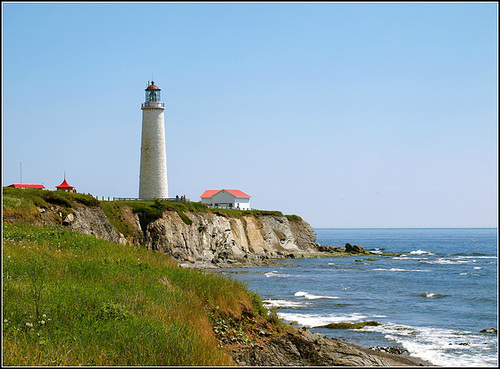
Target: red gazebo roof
x=64, y=185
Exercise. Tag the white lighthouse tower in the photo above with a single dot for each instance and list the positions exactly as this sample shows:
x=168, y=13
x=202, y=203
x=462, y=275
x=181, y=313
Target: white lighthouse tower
x=153, y=173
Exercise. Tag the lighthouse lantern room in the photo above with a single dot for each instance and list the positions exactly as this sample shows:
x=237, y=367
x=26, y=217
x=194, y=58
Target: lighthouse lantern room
x=152, y=97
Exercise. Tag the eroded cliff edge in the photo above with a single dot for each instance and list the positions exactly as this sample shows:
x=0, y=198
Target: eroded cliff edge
x=215, y=239
x=195, y=238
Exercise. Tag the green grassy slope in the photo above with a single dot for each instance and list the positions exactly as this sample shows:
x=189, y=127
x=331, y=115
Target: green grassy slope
x=72, y=299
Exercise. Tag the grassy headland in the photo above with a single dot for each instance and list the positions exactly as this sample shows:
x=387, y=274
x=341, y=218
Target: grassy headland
x=72, y=299
x=25, y=204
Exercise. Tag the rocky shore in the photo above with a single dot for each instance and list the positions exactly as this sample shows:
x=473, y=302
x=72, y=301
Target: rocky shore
x=304, y=348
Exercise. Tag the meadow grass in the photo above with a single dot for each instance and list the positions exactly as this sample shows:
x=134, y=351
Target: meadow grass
x=71, y=299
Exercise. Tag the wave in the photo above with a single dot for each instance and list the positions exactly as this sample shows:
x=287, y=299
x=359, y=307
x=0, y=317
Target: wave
x=399, y=270
x=275, y=273
x=446, y=261
x=421, y=252
x=440, y=346
x=478, y=255
x=431, y=295
x=407, y=258
x=314, y=320
x=285, y=303
x=310, y=296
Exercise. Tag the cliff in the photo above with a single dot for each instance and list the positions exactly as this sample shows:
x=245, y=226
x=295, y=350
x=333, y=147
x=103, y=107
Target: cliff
x=193, y=234
x=213, y=239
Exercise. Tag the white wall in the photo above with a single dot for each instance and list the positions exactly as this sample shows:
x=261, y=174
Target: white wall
x=223, y=198
x=153, y=172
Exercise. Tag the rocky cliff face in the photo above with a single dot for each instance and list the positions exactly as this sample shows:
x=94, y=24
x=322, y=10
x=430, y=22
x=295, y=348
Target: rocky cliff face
x=213, y=239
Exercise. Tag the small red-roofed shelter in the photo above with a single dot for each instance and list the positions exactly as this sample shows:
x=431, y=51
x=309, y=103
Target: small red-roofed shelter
x=64, y=186
x=18, y=185
x=226, y=199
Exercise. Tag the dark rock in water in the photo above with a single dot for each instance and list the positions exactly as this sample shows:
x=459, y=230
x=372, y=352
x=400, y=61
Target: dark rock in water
x=396, y=350
x=489, y=330
x=349, y=325
x=323, y=248
x=354, y=248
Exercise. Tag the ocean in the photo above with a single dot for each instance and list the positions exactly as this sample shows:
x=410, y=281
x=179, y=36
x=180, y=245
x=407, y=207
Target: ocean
x=432, y=300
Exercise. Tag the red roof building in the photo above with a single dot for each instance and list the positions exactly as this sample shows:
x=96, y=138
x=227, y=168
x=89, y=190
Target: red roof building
x=64, y=186
x=38, y=186
x=226, y=199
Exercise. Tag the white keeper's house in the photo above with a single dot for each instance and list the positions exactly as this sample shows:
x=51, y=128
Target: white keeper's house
x=226, y=199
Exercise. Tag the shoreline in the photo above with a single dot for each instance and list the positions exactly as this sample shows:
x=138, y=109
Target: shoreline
x=303, y=347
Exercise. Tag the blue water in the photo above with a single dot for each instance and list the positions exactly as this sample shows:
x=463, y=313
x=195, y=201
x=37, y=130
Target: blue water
x=433, y=299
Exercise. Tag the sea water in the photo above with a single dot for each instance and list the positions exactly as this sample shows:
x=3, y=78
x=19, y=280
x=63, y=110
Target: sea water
x=433, y=298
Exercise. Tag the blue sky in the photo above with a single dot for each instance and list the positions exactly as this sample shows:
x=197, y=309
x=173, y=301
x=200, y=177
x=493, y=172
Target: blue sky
x=347, y=114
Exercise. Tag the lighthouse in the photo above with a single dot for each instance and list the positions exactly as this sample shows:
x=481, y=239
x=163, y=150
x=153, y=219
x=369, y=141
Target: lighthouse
x=153, y=172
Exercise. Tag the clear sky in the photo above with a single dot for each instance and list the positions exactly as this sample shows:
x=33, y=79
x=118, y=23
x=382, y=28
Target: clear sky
x=347, y=114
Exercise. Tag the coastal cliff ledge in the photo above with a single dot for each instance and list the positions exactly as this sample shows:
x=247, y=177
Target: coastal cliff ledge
x=214, y=240
x=193, y=234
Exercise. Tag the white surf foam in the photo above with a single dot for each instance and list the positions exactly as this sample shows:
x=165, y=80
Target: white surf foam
x=286, y=303
x=310, y=296
x=443, y=347
x=421, y=252
x=429, y=295
x=314, y=320
x=275, y=273
x=448, y=261
x=408, y=258
x=400, y=270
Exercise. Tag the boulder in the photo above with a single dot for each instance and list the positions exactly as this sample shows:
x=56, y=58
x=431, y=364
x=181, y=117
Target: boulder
x=70, y=218
x=323, y=248
x=489, y=330
x=396, y=350
x=355, y=249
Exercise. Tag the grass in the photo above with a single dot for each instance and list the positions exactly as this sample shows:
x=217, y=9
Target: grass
x=149, y=211
x=71, y=299
x=23, y=203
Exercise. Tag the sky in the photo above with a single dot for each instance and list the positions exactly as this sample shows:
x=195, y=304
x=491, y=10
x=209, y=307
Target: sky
x=347, y=114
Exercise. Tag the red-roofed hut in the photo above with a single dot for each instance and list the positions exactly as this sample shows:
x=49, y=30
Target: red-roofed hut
x=18, y=185
x=64, y=186
x=228, y=199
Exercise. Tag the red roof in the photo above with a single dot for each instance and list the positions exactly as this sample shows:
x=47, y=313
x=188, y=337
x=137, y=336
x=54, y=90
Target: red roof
x=152, y=87
x=235, y=193
x=16, y=185
x=209, y=193
x=64, y=185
